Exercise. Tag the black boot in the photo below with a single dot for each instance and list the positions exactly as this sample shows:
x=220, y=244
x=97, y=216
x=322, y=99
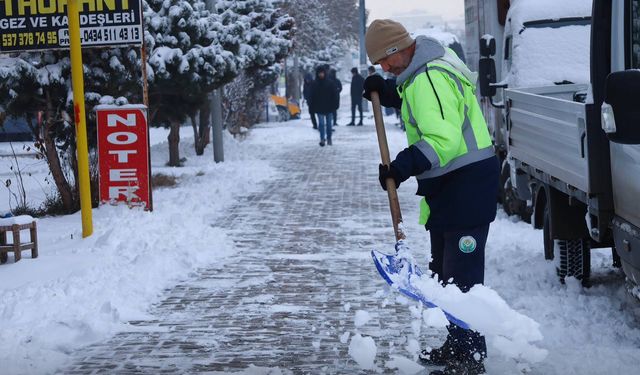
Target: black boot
x=465, y=367
x=439, y=356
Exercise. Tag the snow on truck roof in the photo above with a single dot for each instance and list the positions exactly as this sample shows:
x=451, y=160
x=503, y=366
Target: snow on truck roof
x=444, y=37
x=548, y=53
x=522, y=11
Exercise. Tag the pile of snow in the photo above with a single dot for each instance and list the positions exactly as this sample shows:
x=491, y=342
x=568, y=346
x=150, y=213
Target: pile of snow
x=363, y=350
x=509, y=331
x=403, y=365
x=361, y=318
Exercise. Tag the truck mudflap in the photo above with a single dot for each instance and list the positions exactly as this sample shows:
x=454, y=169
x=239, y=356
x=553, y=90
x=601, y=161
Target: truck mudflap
x=627, y=241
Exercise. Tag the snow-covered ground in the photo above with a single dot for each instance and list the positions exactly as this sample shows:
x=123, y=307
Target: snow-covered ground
x=81, y=291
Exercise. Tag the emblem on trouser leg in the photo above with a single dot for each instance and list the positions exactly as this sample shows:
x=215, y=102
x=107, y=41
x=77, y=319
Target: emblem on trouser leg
x=467, y=244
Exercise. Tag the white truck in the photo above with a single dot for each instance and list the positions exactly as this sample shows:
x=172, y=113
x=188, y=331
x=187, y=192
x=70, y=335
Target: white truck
x=523, y=35
x=574, y=147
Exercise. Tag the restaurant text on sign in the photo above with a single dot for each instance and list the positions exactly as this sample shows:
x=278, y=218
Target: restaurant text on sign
x=123, y=155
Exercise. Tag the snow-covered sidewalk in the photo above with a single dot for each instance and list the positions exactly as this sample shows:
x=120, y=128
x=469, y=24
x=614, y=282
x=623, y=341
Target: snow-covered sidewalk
x=261, y=265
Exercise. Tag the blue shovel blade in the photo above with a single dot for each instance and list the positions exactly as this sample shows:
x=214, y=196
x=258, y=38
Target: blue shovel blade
x=388, y=265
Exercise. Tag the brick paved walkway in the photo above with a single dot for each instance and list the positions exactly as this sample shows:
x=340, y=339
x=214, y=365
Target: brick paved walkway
x=302, y=270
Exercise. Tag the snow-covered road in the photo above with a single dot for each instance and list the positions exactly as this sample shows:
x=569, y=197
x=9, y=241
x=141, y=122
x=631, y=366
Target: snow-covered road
x=264, y=261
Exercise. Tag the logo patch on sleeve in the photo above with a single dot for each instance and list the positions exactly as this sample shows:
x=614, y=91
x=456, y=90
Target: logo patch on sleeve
x=467, y=244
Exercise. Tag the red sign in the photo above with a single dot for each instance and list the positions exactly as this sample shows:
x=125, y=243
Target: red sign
x=123, y=155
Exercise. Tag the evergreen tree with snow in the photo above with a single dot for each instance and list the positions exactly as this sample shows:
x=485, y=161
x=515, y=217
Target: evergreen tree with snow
x=191, y=53
x=267, y=41
x=325, y=30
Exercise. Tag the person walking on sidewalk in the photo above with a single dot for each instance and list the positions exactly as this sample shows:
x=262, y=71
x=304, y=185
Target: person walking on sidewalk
x=357, y=85
x=451, y=155
x=324, y=101
x=306, y=93
x=338, y=87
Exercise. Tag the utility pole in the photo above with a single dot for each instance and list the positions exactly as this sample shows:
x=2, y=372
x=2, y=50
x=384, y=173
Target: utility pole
x=216, y=111
x=216, y=119
x=363, y=51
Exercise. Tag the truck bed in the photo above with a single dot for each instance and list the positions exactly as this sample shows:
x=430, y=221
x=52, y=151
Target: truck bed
x=547, y=131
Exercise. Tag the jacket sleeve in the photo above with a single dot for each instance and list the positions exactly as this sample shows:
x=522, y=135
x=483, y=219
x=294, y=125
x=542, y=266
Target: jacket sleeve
x=438, y=109
x=390, y=97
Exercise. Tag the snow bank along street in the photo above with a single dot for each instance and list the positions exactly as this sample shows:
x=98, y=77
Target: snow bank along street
x=261, y=265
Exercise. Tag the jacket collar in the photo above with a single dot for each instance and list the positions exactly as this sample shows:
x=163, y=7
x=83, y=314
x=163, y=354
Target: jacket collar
x=427, y=50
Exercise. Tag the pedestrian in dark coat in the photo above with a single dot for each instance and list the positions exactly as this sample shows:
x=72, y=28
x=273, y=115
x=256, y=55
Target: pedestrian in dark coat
x=324, y=102
x=306, y=93
x=357, y=84
x=338, y=87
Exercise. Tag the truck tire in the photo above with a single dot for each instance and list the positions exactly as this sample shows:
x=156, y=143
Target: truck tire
x=511, y=204
x=574, y=256
x=574, y=259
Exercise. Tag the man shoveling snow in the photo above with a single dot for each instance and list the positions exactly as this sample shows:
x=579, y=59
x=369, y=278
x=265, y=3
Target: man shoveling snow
x=451, y=154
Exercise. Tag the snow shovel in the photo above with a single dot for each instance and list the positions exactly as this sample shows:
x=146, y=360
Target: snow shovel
x=395, y=269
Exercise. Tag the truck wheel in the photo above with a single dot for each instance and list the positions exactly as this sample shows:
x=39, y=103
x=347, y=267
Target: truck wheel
x=512, y=205
x=574, y=256
x=574, y=259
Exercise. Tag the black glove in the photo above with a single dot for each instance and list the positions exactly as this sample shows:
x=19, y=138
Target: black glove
x=373, y=83
x=386, y=171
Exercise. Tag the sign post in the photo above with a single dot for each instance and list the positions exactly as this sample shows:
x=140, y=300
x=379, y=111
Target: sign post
x=123, y=155
x=77, y=79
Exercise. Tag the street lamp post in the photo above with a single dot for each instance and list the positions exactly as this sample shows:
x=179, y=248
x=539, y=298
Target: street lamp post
x=363, y=52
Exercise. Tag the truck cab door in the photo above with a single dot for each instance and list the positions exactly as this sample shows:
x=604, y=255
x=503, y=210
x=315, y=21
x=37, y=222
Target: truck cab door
x=625, y=149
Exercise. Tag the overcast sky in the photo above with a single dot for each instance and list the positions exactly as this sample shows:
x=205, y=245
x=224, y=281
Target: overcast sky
x=448, y=9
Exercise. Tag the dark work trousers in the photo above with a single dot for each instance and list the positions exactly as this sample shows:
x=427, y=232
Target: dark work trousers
x=313, y=119
x=459, y=256
x=335, y=118
x=353, y=111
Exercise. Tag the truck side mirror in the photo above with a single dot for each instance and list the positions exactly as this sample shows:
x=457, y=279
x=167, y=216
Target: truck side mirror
x=487, y=76
x=487, y=46
x=620, y=112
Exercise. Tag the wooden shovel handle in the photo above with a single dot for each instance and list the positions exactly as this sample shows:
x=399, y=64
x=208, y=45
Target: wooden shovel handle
x=394, y=203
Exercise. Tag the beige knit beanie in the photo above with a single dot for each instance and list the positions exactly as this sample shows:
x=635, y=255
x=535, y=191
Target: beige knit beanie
x=384, y=38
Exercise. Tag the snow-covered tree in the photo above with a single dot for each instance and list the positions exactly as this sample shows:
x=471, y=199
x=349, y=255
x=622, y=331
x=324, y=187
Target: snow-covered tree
x=267, y=41
x=325, y=30
x=191, y=52
x=37, y=87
